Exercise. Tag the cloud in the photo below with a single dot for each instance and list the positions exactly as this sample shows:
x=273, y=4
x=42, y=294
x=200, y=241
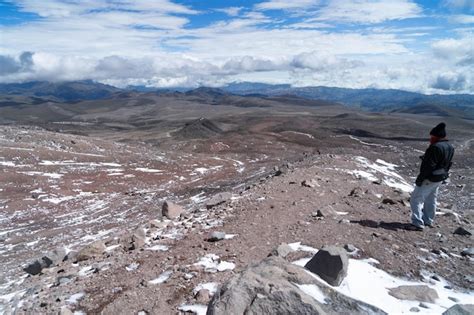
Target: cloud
x=10, y=65
x=231, y=11
x=321, y=62
x=462, y=19
x=368, y=11
x=285, y=4
x=459, y=51
x=459, y=4
x=450, y=82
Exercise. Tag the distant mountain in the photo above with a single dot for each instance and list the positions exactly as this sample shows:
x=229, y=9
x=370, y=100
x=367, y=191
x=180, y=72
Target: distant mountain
x=62, y=91
x=387, y=100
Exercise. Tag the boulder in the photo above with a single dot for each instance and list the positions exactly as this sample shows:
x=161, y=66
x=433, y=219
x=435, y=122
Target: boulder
x=282, y=250
x=421, y=293
x=52, y=258
x=350, y=248
x=463, y=231
x=135, y=240
x=215, y=236
x=171, y=210
x=330, y=263
x=460, y=309
x=327, y=211
x=218, y=199
x=275, y=286
x=203, y=296
x=91, y=250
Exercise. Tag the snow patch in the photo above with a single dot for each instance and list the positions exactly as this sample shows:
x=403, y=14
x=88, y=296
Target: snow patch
x=314, y=291
x=162, y=278
x=73, y=299
x=148, y=170
x=212, y=264
x=197, y=309
x=209, y=286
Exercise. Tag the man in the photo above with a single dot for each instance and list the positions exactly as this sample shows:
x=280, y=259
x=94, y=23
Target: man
x=433, y=171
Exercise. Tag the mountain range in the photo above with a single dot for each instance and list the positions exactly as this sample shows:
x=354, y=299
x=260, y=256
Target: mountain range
x=375, y=100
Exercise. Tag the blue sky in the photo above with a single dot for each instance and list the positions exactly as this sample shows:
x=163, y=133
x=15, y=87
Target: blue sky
x=424, y=46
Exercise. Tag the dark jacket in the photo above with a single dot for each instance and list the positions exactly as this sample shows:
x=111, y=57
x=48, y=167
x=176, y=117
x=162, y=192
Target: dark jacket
x=436, y=162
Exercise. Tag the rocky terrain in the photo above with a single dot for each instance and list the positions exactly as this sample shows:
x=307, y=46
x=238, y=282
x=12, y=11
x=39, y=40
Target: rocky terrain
x=147, y=208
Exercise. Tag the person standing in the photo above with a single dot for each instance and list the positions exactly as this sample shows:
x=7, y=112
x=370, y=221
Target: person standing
x=434, y=169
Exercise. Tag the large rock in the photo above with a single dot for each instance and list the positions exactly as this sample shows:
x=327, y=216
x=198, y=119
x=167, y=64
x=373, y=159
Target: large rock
x=171, y=210
x=460, y=309
x=52, y=258
x=421, y=293
x=330, y=263
x=218, y=199
x=91, y=250
x=275, y=286
x=134, y=240
x=282, y=250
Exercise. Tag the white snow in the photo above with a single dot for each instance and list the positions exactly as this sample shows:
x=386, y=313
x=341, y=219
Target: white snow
x=367, y=283
x=301, y=133
x=132, y=267
x=391, y=178
x=57, y=200
x=363, y=174
x=210, y=286
x=314, y=291
x=7, y=163
x=148, y=170
x=212, y=263
x=196, y=309
x=162, y=277
x=198, y=198
x=229, y=236
x=297, y=246
x=162, y=248
x=201, y=170
x=73, y=299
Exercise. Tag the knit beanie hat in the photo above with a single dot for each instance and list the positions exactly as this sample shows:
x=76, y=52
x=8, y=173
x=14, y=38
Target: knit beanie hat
x=439, y=131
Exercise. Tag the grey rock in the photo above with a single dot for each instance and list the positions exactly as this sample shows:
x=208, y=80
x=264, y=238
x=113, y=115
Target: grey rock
x=272, y=287
x=468, y=251
x=282, y=250
x=463, y=231
x=215, y=236
x=135, y=240
x=350, y=248
x=218, y=199
x=452, y=298
x=423, y=305
x=414, y=309
x=34, y=268
x=330, y=263
x=203, y=296
x=91, y=250
x=460, y=309
x=421, y=293
x=311, y=183
x=171, y=210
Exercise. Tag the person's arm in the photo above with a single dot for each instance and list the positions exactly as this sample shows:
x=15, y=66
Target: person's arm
x=428, y=165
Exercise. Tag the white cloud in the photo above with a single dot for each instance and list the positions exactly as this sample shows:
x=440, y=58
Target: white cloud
x=459, y=51
x=459, y=4
x=450, y=82
x=462, y=19
x=368, y=11
x=286, y=4
x=231, y=11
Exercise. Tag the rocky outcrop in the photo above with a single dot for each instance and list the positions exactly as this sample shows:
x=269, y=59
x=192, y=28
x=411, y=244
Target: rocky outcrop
x=421, y=293
x=134, y=240
x=282, y=250
x=275, y=286
x=171, y=210
x=330, y=263
x=92, y=250
x=52, y=258
x=218, y=200
x=460, y=309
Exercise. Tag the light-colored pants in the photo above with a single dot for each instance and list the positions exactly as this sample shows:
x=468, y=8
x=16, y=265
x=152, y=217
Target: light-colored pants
x=423, y=203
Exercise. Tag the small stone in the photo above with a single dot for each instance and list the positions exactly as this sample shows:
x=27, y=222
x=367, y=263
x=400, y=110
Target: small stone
x=423, y=305
x=452, y=298
x=388, y=201
x=215, y=236
x=468, y=251
x=414, y=309
x=350, y=248
x=311, y=183
x=421, y=293
x=462, y=231
x=282, y=250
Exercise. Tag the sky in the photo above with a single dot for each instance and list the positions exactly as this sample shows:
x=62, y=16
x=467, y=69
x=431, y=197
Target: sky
x=423, y=46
